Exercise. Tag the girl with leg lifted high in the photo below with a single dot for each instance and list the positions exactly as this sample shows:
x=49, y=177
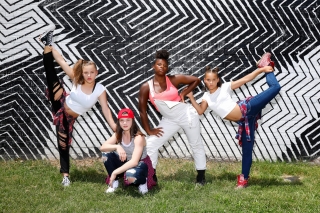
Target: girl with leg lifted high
x=244, y=112
x=66, y=108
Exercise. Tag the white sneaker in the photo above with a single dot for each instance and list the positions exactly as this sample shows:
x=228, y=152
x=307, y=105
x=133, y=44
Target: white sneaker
x=115, y=185
x=65, y=181
x=143, y=188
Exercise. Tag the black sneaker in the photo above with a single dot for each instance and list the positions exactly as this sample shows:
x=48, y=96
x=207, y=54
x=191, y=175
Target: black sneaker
x=47, y=37
x=201, y=179
x=201, y=182
x=155, y=178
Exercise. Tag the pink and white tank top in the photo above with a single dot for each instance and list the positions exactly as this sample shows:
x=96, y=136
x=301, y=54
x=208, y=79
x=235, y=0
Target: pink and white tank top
x=170, y=94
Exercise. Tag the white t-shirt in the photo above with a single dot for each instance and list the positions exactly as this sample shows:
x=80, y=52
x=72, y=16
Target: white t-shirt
x=80, y=102
x=220, y=102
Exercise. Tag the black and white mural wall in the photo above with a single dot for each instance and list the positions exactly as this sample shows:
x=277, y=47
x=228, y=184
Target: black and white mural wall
x=122, y=36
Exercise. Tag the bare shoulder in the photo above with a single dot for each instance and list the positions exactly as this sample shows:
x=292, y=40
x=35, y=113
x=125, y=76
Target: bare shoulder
x=175, y=79
x=140, y=140
x=144, y=86
x=144, y=91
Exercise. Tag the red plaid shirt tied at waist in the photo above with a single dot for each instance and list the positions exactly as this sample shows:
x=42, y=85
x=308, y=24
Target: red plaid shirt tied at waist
x=58, y=116
x=244, y=120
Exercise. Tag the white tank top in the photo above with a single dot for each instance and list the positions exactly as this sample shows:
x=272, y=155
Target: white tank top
x=220, y=102
x=80, y=102
x=129, y=150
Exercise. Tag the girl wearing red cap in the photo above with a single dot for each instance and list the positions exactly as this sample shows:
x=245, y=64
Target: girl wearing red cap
x=66, y=108
x=244, y=112
x=125, y=155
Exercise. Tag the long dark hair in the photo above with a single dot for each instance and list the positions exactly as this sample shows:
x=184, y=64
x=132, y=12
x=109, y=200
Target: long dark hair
x=214, y=71
x=134, y=131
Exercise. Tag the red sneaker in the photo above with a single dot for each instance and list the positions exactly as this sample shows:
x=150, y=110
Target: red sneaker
x=265, y=60
x=242, y=183
x=271, y=64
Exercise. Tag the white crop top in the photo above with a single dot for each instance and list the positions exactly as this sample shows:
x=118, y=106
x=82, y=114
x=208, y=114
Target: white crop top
x=80, y=102
x=220, y=102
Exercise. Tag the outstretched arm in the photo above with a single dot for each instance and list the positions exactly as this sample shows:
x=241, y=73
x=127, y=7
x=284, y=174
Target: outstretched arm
x=238, y=83
x=201, y=108
x=189, y=80
x=143, y=99
x=60, y=60
x=106, y=110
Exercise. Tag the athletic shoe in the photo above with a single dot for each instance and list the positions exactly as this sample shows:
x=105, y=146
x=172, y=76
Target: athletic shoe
x=201, y=182
x=115, y=185
x=155, y=178
x=201, y=178
x=242, y=183
x=265, y=61
x=143, y=188
x=47, y=37
x=65, y=181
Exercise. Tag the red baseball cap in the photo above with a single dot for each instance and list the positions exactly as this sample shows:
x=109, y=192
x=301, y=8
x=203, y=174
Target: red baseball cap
x=125, y=113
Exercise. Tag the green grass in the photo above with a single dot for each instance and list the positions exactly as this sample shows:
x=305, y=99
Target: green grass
x=34, y=186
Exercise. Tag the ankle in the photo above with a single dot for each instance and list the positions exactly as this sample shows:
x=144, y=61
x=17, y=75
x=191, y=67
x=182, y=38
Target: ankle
x=47, y=49
x=201, y=177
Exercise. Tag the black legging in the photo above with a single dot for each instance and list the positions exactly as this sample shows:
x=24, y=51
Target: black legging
x=54, y=85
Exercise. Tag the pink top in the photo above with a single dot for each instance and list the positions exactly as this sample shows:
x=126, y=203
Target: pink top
x=170, y=94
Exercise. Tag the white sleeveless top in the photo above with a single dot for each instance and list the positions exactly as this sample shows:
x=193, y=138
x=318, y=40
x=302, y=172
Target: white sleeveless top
x=80, y=102
x=220, y=102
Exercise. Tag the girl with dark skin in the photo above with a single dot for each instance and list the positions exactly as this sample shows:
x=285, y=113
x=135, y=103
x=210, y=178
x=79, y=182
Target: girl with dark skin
x=162, y=91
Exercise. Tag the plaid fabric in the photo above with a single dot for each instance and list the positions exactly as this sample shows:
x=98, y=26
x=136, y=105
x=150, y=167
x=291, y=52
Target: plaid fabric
x=150, y=181
x=244, y=120
x=58, y=116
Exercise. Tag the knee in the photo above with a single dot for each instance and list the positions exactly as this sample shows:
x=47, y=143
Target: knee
x=152, y=146
x=131, y=179
x=131, y=175
x=276, y=88
x=104, y=157
x=109, y=155
x=63, y=143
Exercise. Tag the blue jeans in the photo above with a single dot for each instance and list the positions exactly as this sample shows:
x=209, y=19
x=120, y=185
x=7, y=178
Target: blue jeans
x=112, y=162
x=255, y=105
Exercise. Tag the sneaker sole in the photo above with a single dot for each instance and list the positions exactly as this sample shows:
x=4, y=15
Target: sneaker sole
x=241, y=187
x=110, y=190
x=143, y=192
x=263, y=58
x=50, y=28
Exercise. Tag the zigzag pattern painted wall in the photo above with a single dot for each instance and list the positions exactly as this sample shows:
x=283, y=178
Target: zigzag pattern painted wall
x=122, y=36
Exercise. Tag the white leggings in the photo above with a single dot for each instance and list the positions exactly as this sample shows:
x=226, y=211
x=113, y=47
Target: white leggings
x=183, y=116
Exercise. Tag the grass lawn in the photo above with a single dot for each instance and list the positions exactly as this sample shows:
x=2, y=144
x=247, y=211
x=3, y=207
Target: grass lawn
x=34, y=186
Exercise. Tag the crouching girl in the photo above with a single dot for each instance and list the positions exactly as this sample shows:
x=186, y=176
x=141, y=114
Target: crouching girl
x=126, y=156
